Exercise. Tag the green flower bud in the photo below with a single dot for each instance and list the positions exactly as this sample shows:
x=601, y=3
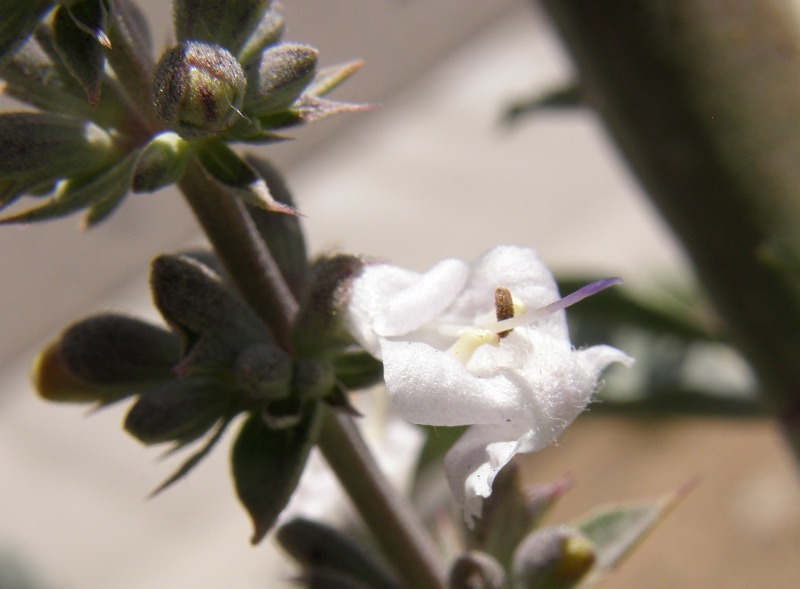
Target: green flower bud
x=552, y=557
x=160, y=164
x=476, y=570
x=313, y=379
x=198, y=89
x=279, y=77
x=264, y=371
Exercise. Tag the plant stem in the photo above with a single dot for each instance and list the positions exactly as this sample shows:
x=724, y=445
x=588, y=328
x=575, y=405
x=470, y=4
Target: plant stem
x=246, y=258
x=236, y=240
x=702, y=99
x=398, y=530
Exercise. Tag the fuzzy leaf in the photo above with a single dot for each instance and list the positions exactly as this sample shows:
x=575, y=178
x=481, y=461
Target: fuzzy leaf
x=315, y=545
x=130, y=55
x=178, y=410
x=282, y=233
x=267, y=464
x=117, y=349
x=19, y=20
x=269, y=30
x=279, y=77
x=616, y=530
x=318, y=327
x=44, y=146
x=566, y=97
x=227, y=170
x=79, y=193
x=329, y=78
x=161, y=163
x=227, y=24
x=309, y=109
x=78, y=34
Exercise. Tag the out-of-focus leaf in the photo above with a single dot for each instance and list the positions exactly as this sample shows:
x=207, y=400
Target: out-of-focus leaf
x=227, y=169
x=279, y=77
x=228, y=24
x=616, y=530
x=317, y=546
x=318, y=328
x=512, y=511
x=161, y=163
x=566, y=97
x=130, y=53
x=45, y=146
x=195, y=458
x=309, y=109
x=357, y=370
x=179, y=410
x=476, y=570
x=19, y=19
x=329, y=78
x=282, y=233
x=78, y=32
x=269, y=30
x=79, y=193
x=267, y=464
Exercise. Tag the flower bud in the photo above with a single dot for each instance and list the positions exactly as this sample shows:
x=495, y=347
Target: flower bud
x=279, y=76
x=160, y=164
x=552, y=557
x=264, y=371
x=476, y=570
x=198, y=89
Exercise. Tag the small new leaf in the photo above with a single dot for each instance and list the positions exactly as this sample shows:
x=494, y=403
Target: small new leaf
x=229, y=172
x=267, y=464
x=78, y=35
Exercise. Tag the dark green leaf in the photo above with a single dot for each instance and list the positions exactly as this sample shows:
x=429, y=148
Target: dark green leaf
x=318, y=327
x=318, y=546
x=195, y=458
x=80, y=193
x=75, y=34
x=282, y=233
x=130, y=55
x=567, y=97
x=20, y=18
x=267, y=464
x=309, y=109
x=179, y=410
x=44, y=146
x=116, y=349
x=227, y=170
x=228, y=24
x=269, y=30
x=357, y=370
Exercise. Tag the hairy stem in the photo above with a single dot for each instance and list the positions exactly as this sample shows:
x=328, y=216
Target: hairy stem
x=397, y=529
x=235, y=238
x=702, y=98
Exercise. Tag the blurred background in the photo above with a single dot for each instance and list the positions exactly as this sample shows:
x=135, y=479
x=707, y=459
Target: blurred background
x=432, y=173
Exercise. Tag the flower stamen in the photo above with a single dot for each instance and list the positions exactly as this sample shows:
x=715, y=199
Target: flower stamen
x=518, y=320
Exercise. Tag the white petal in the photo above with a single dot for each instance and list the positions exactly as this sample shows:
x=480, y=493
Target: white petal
x=389, y=301
x=430, y=387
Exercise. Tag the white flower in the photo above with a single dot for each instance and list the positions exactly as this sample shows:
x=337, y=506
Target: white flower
x=448, y=360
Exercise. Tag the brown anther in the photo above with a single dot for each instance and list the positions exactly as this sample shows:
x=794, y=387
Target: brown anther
x=504, y=307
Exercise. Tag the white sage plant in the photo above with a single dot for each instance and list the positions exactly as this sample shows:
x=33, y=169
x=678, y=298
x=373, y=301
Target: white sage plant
x=483, y=344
